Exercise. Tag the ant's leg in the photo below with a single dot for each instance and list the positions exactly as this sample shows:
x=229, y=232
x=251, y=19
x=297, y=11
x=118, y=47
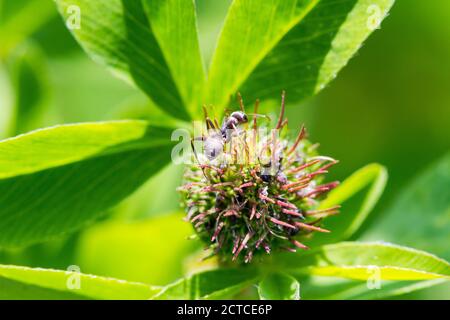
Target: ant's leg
x=237, y=131
x=241, y=102
x=193, y=147
x=209, y=123
x=255, y=112
x=195, y=153
x=243, y=140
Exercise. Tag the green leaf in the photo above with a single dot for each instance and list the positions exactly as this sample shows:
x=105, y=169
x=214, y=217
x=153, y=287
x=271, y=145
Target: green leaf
x=73, y=97
x=328, y=288
x=30, y=79
x=34, y=283
x=151, y=251
x=362, y=261
x=174, y=24
x=387, y=289
x=420, y=216
x=146, y=203
x=298, y=46
x=23, y=22
x=215, y=284
x=156, y=47
x=6, y=102
x=278, y=286
x=56, y=180
x=15, y=290
x=344, y=225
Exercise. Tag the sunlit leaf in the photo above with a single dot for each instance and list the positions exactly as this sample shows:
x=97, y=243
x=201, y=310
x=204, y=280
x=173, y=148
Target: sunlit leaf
x=278, y=286
x=75, y=100
x=420, y=216
x=371, y=180
x=6, y=102
x=363, y=261
x=155, y=198
x=386, y=289
x=151, y=251
x=22, y=22
x=328, y=288
x=34, y=283
x=56, y=180
x=215, y=284
x=174, y=24
x=298, y=46
x=30, y=82
x=153, y=44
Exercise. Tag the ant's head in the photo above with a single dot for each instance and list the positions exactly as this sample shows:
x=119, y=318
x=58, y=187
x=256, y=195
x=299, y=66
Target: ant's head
x=240, y=116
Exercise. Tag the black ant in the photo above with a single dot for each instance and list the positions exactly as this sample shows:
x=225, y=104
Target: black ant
x=215, y=141
x=218, y=136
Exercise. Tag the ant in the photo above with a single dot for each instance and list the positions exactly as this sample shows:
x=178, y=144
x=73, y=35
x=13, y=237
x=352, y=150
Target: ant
x=215, y=141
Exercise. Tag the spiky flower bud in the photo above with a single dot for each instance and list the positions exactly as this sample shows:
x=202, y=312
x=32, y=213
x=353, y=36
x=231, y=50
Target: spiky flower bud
x=254, y=190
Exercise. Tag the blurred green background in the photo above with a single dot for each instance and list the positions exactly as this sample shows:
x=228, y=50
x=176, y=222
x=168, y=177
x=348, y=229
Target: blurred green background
x=390, y=105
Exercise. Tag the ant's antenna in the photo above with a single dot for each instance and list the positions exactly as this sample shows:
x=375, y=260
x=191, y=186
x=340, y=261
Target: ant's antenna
x=196, y=156
x=257, y=115
x=241, y=102
x=255, y=125
x=241, y=105
x=209, y=123
x=280, y=119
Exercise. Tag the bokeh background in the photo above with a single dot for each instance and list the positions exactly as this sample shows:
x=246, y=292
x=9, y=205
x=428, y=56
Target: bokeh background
x=390, y=105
